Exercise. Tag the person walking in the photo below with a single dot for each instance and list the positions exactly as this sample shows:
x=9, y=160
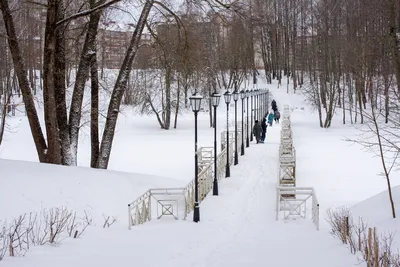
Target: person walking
x=257, y=131
x=277, y=116
x=270, y=118
x=274, y=106
x=264, y=128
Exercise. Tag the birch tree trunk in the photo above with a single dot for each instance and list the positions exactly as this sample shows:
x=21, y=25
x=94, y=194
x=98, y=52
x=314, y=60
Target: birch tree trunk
x=59, y=89
x=88, y=52
x=120, y=87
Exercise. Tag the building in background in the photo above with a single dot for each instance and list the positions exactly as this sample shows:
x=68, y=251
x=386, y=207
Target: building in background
x=113, y=41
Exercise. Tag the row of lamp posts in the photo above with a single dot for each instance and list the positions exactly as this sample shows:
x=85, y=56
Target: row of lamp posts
x=195, y=102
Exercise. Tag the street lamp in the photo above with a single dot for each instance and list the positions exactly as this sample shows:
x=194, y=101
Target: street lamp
x=215, y=102
x=251, y=115
x=195, y=102
x=236, y=98
x=242, y=96
x=227, y=97
x=247, y=116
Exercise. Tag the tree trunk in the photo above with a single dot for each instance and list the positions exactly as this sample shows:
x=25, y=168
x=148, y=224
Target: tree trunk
x=265, y=51
x=387, y=108
x=23, y=81
x=50, y=107
x=343, y=101
x=178, y=96
x=94, y=111
x=59, y=90
x=395, y=42
x=4, y=116
x=382, y=156
x=120, y=87
x=81, y=77
x=168, y=78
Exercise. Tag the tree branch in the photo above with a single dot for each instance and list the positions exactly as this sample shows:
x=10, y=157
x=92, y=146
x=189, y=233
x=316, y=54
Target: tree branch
x=87, y=12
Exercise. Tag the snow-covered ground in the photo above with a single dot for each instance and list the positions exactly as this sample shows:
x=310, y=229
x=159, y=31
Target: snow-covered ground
x=376, y=212
x=140, y=145
x=342, y=172
x=27, y=187
x=237, y=228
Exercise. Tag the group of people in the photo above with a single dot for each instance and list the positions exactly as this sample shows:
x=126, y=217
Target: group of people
x=260, y=130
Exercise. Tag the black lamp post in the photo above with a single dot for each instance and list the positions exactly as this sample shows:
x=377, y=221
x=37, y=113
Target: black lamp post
x=247, y=116
x=251, y=115
x=236, y=98
x=195, y=102
x=215, y=102
x=227, y=97
x=263, y=102
x=242, y=96
x=261, y=115
x=260, y=112
x=257, y=116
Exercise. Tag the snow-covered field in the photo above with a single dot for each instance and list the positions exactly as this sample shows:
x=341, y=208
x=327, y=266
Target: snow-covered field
x=342, y=172
x=237, y=228
x=27, y=187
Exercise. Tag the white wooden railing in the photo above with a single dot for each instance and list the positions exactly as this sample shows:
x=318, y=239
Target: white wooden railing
x=303, y=205
x=294, y=202
x=287, y=154
x=171, y=200
x=140, y=210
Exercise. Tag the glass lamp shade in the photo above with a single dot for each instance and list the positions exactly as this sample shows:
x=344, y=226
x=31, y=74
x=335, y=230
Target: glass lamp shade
x=215, y=97
x=235, y=95
x=227, y=97
x=242, y=94
x=195, y=102
x=247, y=93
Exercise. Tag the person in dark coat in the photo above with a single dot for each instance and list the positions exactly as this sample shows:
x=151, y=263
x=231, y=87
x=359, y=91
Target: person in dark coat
x=257, y=131
x=264, y=128
x=273, y=105
x=277, y=115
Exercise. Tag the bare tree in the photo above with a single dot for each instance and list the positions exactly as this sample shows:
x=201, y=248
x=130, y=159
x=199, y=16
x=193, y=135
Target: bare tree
x=383, y=140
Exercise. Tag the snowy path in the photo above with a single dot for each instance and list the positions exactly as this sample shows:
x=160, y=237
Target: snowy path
x=237, y=228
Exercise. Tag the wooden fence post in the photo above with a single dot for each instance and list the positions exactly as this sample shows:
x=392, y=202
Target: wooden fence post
x=369, y=256
x=376, y=249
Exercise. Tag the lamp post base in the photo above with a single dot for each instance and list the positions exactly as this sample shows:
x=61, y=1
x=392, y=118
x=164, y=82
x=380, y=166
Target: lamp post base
x=236, y=162
x=247, y=142
x=196, y=212
x=242, y=150
x=215, y=188
x=227, y=171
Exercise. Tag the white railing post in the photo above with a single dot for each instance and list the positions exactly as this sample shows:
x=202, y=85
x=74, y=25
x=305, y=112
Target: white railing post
x=295, y=199
x=129, y=217
x=278, y=199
